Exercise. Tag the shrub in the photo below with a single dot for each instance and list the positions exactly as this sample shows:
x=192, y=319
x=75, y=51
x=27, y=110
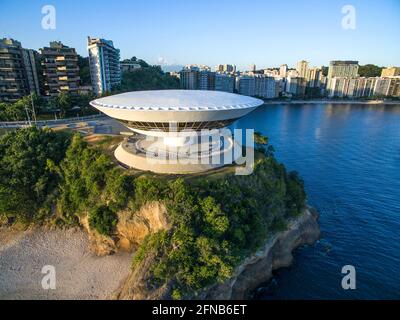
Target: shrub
x=176, y=294
x=295, y=194
x=28, y=171
x=103, y=220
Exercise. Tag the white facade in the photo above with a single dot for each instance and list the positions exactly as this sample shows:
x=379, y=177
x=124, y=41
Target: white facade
x=361, y=87
x=302, y=68
x=129, y=66
x=163, y=106
x=105, y=70
x=314, y=77
x=343, y=69
x=292, y=73
x=175, y=115
x=283, y=70
x=257, y=85
x=178, y=124
x=295, y=85
x=382, y=86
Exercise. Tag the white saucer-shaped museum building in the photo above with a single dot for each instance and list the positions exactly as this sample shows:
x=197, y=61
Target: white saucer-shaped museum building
x=174, y=126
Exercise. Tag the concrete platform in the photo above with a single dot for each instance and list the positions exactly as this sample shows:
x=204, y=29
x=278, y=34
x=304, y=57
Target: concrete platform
x=140, y=153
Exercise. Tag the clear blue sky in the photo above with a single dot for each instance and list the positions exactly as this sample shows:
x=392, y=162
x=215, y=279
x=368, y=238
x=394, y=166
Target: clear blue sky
x=241, y=32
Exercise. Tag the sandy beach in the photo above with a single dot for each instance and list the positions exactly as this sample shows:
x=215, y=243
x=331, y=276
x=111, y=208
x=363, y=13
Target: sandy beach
x=79, y=273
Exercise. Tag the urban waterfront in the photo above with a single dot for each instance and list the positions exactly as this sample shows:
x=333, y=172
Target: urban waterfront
x=349, y=158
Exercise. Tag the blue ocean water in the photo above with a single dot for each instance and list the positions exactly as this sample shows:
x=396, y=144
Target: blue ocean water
x=349, y=158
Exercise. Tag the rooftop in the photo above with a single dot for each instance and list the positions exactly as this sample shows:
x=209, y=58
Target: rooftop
x=177, y=100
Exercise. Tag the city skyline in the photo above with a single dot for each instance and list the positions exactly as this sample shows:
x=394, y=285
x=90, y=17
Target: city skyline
x=268, y=41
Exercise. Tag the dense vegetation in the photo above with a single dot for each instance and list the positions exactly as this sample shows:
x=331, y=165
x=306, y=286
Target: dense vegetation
x=84, y=70
x=370, y=70
x=28, y=177
x=215, y=220
x=61, y=106
x=216, y=223
x=146, y=78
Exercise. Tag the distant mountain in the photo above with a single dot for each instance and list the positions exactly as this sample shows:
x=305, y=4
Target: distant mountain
x=172, y=67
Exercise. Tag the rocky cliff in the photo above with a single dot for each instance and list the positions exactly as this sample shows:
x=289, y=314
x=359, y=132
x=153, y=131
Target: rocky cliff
x=131, y=229
x=253, y=271
x=275, y=254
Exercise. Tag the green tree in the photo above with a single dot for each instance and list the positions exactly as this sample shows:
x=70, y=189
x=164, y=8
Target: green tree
x=261, y=144
x=13, y=112
x=84, y=70
x=295, y=196
x=27, y=178
x=147, y=78
x=63, y=101
x=83, y=178
x=370, y=70
x=103, y=219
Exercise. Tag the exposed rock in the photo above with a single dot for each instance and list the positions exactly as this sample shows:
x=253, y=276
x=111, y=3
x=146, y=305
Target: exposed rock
x=138, y=287
x=275, y=254
x=254, y=270
x=131, y=229
x=99, y=244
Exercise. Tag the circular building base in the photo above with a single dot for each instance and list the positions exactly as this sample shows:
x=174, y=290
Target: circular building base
x=142, y=154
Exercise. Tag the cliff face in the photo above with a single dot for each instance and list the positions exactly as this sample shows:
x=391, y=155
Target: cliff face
x=131, y=229
x=275, y=254
x=254, y=270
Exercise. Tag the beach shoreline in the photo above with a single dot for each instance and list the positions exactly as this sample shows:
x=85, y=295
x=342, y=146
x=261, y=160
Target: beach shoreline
x=80, y=274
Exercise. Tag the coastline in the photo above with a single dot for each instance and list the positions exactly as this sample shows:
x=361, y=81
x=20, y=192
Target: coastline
x=322, y=101
x=80, y=274
x=253, y=271
x=78, y=270
x=276, y=253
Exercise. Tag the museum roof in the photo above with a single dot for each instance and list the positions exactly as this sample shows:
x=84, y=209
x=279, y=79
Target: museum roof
x=177, y=100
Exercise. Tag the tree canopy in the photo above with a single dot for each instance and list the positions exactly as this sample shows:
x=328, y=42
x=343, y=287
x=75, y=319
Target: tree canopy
x=215, y=221
x=147, y=78
x=370, y=70
x=63, y=105
x=27, y=177
x=84, y=70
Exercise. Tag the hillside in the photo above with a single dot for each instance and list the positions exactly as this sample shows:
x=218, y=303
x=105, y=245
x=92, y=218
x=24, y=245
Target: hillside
x=195, y=230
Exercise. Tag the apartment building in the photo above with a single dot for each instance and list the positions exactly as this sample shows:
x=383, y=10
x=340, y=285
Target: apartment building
x=193, y=77
x=314, y=77
x=302, y=68
x=343, y=69
x=129, y=66
x=361, y=87
x=390, y=72
x=224, y=82
x=295, y=85
x=206, y=79
x=246, y=85
x=283, y=70
x=105, y=69
x=60, y=68
x=18, y=74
